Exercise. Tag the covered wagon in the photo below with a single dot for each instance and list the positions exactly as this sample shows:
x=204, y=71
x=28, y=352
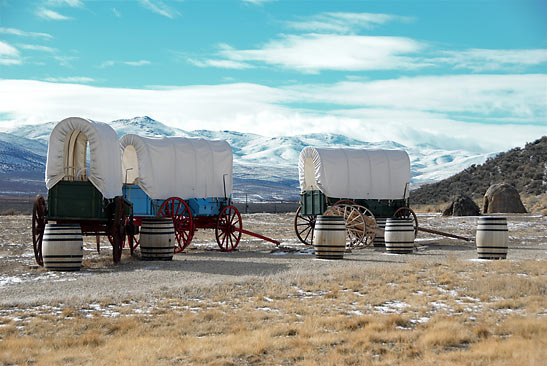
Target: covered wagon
x=84, y=182
x=361, y=185
x=186, y=179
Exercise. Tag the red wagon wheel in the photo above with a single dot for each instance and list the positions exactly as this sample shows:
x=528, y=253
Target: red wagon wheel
x=116, y=230
x=177, y=209
x=228, y=230
x=408, y=213
x=304, y=225
x=131, y=232
x=39, y=221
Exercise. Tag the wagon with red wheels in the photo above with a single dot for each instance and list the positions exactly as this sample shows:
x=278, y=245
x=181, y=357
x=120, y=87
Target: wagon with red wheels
x=364, y=186
x=186, y=179
x=84, y=182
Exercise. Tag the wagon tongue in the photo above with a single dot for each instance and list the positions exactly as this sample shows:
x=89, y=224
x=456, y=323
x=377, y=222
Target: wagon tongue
x=243, y=231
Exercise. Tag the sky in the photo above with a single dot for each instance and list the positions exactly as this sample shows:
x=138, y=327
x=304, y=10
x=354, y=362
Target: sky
x=462, y=75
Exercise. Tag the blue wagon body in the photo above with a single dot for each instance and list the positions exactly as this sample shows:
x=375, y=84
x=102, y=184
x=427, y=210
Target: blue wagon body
x=186, y=179
x=144, y=206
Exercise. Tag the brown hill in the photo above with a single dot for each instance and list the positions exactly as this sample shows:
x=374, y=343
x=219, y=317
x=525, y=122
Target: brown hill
x=525, y=168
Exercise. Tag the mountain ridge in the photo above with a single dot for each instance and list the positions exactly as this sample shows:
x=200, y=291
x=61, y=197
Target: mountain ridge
x=270, y=160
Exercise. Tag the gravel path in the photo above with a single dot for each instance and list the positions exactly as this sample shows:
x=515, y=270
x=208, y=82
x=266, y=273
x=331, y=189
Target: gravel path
x=24, y=283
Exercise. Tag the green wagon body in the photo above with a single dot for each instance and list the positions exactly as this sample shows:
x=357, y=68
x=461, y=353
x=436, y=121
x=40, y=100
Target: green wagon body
x=80, y=201
x=315, y=202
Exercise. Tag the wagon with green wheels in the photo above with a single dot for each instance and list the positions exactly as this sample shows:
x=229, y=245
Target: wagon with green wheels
x=84, y=182
x=186, y=179
x=363, y=186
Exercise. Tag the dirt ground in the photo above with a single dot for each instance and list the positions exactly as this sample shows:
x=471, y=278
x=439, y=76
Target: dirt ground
x=23, y=283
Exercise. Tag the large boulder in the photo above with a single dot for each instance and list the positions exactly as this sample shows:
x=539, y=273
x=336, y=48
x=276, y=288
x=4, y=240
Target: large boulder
x=502, y=198
x=462, y=206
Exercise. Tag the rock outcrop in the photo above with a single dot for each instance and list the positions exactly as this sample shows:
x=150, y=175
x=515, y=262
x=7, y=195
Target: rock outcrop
x=462, y=206
x=502, y=198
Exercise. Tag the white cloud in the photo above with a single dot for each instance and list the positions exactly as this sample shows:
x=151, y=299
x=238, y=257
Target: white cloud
x=18, y=32
x=107, y=64
x=117, y=13
x=257, y=2
x=50, y=14
x=34, y=47
x=488, y=60
x=224, y=64
x=65, y=60
x=137, y=63
x=7, y=50
x=9, y=55
x=158, y=7
x=71, y=3
x=408, y=110
x=312, y=53
x=519, y=96
x=71, y=79
x=110, y=63
x=339, y=22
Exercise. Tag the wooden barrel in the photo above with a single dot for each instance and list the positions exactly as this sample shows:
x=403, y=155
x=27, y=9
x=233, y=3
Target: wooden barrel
x=329, y=237
x=492, y=237
x=399, y=235
x=157, y=239
x=379, y=238
x=62, y=247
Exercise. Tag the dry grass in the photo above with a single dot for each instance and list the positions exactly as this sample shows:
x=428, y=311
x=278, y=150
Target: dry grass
x=455, y=313
x=535, y=204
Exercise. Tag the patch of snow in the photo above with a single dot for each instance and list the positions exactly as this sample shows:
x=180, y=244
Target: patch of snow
x=354, y=312
x=391, y=307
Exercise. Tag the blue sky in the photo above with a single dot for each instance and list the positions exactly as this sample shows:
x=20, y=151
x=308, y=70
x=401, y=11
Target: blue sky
x=458, y=74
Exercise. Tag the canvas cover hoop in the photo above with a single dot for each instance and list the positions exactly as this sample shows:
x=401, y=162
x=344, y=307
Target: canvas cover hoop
x=177, y=166
x=67, y=155
x=355, y=173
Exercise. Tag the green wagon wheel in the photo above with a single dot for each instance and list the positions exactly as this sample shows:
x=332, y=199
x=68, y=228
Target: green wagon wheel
x=304, y=225
x=408, y=213
x=39, y=221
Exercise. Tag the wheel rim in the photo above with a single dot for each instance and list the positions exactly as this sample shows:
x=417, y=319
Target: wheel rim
x=370, y=225
x=117, y=230
x=130, y=230
x=179, y=211
x=354, y=220
x=304, y=226
x=38, y=227
x=228, y=230
x=408, y=213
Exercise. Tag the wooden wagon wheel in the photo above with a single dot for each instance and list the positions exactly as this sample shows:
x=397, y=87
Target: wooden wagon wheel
x=178, y=210
x=370, y=225
x=408, y=213
x=228, y=229
x=355, y=221
x=304, y=225
x=116, y=230
x=131, y=232
x=39, y=211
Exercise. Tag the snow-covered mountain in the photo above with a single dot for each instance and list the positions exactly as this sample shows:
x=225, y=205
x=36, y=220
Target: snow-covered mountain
x=21, y=154
x=264, y=167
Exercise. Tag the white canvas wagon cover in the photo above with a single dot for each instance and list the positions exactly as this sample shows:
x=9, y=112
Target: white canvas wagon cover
x=177, y=166
x=67, y=150
x=355, y=173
